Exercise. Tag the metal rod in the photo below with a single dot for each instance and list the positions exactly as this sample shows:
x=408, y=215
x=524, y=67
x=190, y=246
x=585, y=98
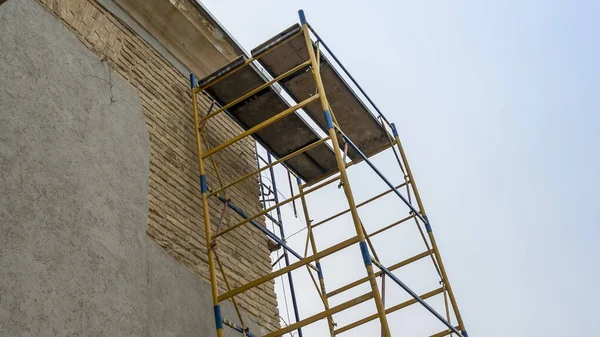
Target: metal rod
x=417, y=298
x=262, y=159
x=282, y=233
x=270, y=217
x=293, y=266
x=278, y=259
x=260, y=126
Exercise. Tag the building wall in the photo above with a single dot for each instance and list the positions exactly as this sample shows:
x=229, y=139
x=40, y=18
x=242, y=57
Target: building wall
x=174, y=209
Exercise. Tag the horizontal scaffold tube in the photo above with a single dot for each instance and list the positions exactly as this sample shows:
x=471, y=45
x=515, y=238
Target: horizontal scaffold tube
x=321, y=315
x=358, y=205
x=283, y=159
x=265, y=211
x=289, y=268
x=255, y=91
x=387, y=311
x=391, y=225
x=365, y=279
x=260, y=126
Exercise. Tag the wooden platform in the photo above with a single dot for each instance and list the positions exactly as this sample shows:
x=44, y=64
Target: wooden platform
x=286, y=51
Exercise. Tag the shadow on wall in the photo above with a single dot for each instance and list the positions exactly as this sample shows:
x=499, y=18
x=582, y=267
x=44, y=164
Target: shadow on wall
x=74, y=161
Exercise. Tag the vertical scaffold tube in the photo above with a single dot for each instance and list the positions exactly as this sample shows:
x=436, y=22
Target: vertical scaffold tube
x=344, y=178
x=313, y=245
x=434, y=246
x=205, y=211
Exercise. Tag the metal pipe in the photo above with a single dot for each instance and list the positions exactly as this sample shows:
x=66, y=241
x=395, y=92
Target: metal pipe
x=278, y=259
x=416, y=297
x=206, y=215
x=392, y=225
x=270, y=217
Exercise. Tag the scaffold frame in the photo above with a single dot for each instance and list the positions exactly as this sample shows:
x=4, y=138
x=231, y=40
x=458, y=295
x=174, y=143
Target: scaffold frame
x=334, y=136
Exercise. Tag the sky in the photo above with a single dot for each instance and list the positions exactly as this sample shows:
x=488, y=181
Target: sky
x=497, y=105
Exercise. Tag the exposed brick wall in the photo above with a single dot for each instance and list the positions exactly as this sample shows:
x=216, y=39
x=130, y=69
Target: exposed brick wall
x=175, y=215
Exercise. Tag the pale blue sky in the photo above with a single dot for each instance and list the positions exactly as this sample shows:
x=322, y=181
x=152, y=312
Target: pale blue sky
x=497, y=105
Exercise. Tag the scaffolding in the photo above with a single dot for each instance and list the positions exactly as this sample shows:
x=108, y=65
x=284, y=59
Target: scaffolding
x=297, y=66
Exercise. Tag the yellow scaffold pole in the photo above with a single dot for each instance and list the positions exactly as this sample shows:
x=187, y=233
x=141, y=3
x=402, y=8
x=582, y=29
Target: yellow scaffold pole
x=206, y=215
x=344, y=177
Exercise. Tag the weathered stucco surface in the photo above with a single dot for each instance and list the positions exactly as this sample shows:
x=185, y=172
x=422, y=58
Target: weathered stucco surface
x=75, y=259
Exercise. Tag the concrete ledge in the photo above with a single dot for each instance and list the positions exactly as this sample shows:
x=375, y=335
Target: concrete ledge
x=188, y=33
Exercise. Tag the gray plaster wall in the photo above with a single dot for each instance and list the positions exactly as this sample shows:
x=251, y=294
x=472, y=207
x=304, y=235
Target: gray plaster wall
x=74, y=160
